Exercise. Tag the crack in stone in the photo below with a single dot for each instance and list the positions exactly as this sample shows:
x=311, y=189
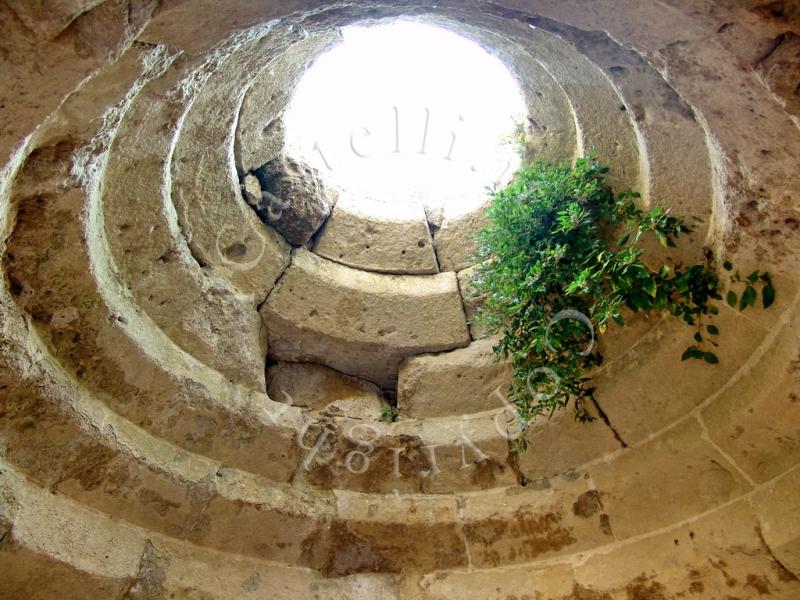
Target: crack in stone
x=773, y=47
x=783, y=569
x=512, y=460
x=607, y=421
x=277, y=281
x=432, y=228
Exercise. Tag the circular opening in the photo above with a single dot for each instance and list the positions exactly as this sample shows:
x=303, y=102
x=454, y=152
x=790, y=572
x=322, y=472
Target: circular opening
x=406, y=113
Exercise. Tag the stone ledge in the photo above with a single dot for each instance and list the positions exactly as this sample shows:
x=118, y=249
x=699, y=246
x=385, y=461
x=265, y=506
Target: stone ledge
x=361, y=323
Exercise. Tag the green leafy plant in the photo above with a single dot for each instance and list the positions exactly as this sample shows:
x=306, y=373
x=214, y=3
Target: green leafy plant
x=388, y=413
x=562, y=258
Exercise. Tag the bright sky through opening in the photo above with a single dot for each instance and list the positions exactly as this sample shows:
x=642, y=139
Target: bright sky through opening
x=407, y=112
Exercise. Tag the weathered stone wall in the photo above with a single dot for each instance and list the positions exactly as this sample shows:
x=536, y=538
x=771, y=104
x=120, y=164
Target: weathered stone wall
x=147, y=449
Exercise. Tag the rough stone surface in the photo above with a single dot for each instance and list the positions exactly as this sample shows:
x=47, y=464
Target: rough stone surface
x=356, y=236
x=319, y=388
x=670, y=478
x=251, y=190
x=455, y=383
x=776, y=507
x=360, y=323
x=260, y=133
x=472, y=302
x=512, y=526
x=556, y=581
x=741, y=419
x=456, y=247
x=780, y=70
x=561, y=443
x=294, y=199
x=717, y=556
x=666, y=387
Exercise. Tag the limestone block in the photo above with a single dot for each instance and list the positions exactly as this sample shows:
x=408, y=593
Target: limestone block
x=436, y=456
x=25, y=570
x=190, y=570
x=319, y=388
x=470, y=453
x=55, y=527
x=225, y=235
x=519, y=525
x=777, y=506
x=716, y=556
x=649, y=386
x=456, y=246
x=385, y=537
x=665, y=125
x=38, y=75
x=260, y=131
x=358, y=236
x=206, y=317
x=363, y=456
x=361, y=323
x=666, y=480
x=459, y=382
x=595, y=102
x=742, y=419
x=51, y=17
x=251, y=529
x=555, y=581
x=561, y=443
x=294, y=199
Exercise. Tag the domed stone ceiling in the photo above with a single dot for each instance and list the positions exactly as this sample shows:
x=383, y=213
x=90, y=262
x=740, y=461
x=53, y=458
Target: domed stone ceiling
x=190, y=396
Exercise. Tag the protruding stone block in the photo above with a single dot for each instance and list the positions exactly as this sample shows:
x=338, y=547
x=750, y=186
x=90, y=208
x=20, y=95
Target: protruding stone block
x=460, y=382
x=360, y=323
x=294, y=200
x=357, y=236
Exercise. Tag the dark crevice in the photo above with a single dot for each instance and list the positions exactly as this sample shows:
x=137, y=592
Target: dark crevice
x=606, y=420
x=773, y=46
x=277, y=282
x=513, y=463
x=432, y=229
x=462, y=298
x=194, y=252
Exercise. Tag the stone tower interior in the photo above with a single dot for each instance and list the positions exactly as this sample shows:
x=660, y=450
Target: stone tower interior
x=190, y=398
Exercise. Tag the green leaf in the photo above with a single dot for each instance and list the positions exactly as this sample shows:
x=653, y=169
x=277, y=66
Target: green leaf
x=650, y=288
x=748, y=297
x=753, y=277
x=712, y=329
x=710, y=358
x=623, y=239
x=768, y=295
x=691, y=352
x=698, y=338
x=731, y=298
x=727, y=265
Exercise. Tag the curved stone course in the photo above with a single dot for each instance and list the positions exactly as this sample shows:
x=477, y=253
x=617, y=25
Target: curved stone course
x=192, y=409
x=360, y=323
